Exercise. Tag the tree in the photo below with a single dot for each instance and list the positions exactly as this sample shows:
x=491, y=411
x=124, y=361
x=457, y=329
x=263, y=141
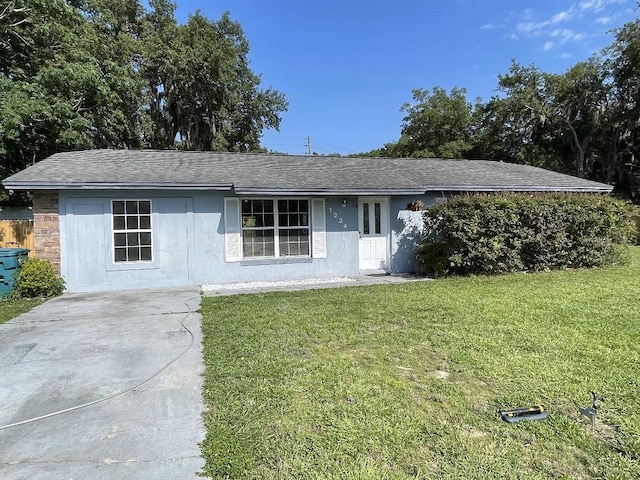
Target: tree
x=544, y=119
x=388, y=150
x=79, y=74
x=68, y=81
x=576, y=101
x=12, y=44
x=437, y=124
x=200, y=87
x=621, y=145
x=501, y=133
x=41, y=67
x=160, y=73
x=116, y=109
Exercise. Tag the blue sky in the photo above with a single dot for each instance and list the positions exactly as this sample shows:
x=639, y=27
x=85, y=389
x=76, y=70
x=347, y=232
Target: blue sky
x=346, y=67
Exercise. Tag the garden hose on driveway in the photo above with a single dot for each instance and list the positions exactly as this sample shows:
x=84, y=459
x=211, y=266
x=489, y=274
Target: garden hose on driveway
x=123, y=392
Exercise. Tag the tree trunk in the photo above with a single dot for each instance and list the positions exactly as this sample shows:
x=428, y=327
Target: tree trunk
x=579, y=150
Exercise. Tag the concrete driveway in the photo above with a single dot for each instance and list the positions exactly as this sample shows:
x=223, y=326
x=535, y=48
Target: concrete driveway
x=79, y=349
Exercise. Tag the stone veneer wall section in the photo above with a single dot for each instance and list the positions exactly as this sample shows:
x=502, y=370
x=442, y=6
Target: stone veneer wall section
x=46, y=227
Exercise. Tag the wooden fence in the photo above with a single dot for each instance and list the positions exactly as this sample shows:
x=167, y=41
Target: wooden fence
x=17, y=233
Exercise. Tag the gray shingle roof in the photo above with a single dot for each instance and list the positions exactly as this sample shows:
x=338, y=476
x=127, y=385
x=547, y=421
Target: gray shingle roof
x=278, y=174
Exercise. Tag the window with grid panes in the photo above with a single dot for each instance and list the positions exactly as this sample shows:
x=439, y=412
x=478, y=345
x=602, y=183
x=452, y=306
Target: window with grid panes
x=131, y=230
x=275, y=228
x=293, y=227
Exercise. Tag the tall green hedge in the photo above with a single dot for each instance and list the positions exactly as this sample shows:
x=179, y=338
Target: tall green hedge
x=512, y=232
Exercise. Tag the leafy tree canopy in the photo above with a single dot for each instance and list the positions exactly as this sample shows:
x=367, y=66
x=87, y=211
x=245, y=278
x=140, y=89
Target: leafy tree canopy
x=78, y=74
x=199, y=85
x=436, y=124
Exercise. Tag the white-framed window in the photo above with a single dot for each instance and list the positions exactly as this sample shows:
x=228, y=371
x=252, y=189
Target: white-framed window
x=132, y=234
x=275, y=228
x=293, y=228
x=266, y=228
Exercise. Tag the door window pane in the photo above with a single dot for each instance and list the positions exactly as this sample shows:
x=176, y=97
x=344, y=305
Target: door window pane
x=365, y=218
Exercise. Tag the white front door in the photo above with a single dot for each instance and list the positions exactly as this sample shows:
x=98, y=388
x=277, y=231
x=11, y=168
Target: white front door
x=373, y=225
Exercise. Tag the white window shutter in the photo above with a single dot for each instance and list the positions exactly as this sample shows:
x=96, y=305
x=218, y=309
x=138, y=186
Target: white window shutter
x=318, y=228
x=232, y=232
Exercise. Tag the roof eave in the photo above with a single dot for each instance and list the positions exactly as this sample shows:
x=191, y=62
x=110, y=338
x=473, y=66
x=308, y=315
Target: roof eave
x=329, y=192
x=18, y=185
x=518, y=188
x=115, y=186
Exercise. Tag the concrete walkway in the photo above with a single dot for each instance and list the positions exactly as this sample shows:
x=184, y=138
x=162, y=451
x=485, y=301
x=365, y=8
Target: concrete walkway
x=81, y=348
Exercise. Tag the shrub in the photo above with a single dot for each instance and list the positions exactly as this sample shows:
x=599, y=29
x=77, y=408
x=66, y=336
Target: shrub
x=636, y=216
x=432, y=259
x=511, y=232
x=37, y=278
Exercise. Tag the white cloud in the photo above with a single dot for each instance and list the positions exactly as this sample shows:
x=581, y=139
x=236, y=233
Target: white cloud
x=596, y=6
x=561, y=17
x=593, y=5
x=604, y=20
x=527, y=27
x=531, y=28
x=567, y=35
x=576, y=23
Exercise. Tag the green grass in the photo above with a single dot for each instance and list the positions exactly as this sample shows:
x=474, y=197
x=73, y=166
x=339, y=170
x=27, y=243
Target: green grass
x=12, y=308
x=404, y=381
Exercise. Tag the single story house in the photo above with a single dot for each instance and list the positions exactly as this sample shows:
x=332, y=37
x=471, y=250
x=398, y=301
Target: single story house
x=122, y=219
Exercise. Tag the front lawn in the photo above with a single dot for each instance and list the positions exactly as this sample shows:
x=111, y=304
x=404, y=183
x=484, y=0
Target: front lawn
x=404, y=381
x=12, y=308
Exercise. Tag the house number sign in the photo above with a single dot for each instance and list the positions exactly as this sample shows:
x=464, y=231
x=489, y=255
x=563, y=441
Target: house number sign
x=337, y=217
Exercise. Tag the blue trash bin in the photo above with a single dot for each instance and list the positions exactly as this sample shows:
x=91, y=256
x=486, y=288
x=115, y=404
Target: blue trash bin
x=11, y=259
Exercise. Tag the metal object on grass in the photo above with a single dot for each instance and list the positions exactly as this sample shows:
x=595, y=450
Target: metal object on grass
x=513, y=415
x=592, y=411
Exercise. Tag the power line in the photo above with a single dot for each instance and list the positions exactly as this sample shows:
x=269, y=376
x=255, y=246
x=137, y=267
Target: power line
x=336, y=146
x=308, y=146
